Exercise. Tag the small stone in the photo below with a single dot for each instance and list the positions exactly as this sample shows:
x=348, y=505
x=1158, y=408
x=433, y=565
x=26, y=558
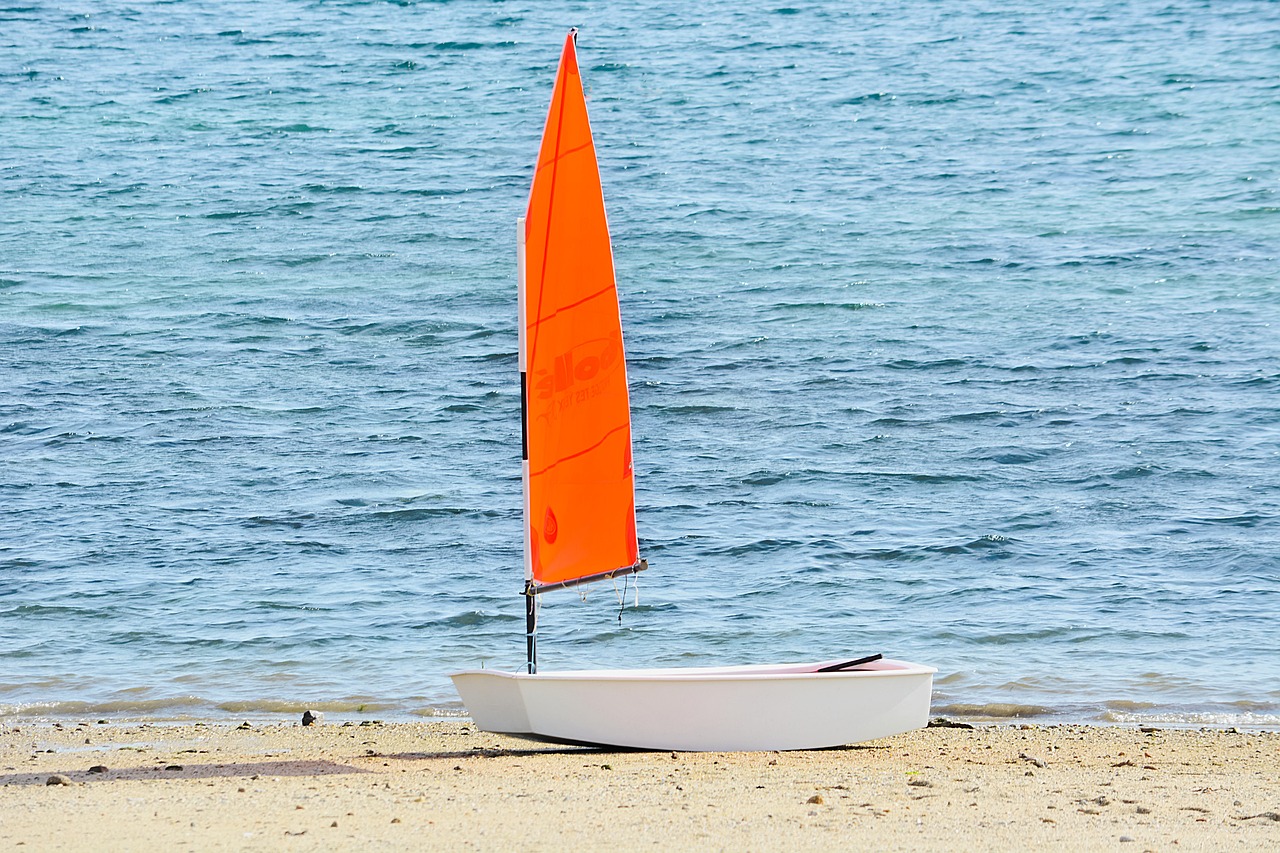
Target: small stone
x=1125, y=838
x=244, y=725
x=98, y=768
x=1143, y=810
x=816, y=800
x=334, y=824
x=395, y=820
x=1029, y=773
x=58, y=779
x=310, y=718
x=920, y=783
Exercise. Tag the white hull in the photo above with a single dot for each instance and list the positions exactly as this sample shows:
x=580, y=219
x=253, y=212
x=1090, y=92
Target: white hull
x=705, y=709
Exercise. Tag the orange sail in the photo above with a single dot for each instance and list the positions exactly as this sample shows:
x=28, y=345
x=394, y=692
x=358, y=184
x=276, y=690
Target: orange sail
x=579, y=487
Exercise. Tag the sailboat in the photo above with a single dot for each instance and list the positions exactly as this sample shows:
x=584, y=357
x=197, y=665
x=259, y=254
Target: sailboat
x=580, y=517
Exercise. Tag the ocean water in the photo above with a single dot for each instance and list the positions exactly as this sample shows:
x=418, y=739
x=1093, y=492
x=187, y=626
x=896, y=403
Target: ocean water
x=953, y=332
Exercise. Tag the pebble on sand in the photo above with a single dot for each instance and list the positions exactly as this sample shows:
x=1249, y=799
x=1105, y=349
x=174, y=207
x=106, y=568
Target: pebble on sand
x=58, y=779
x=1038, y=762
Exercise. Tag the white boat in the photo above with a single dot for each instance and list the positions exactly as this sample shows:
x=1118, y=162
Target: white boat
x=579, y=512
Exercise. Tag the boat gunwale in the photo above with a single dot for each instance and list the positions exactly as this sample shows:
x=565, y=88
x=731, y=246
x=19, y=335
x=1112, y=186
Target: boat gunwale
x=749, y=672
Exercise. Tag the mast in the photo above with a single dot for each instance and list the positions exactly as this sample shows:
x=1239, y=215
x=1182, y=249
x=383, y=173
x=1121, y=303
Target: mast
x=530, y=594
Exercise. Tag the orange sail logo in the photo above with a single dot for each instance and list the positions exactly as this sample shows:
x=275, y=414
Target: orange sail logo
x=550, y=528
x=580, y=364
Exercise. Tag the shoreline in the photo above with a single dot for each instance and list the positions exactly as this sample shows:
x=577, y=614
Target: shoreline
x=185, y=710
x=442, y=784
x=285, y=714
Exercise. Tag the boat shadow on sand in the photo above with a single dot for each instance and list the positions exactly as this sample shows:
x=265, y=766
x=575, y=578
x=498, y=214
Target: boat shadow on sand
x=175, y=772
x=300, y=768
x=275, y=769
x=558, y=748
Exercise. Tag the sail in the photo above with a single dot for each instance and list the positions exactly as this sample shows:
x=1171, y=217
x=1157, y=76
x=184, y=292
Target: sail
x=579, y=487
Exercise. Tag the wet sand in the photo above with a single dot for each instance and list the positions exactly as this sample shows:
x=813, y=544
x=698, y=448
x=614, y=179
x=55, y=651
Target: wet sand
x=443, y=785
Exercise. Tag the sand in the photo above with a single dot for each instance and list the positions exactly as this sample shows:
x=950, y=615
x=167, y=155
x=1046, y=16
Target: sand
x=443, y=785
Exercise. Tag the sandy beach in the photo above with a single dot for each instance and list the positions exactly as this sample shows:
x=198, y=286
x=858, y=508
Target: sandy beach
x=89, y=785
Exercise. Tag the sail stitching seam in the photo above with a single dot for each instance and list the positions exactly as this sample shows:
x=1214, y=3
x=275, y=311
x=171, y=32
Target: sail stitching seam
x=573, y=305
x=585, y=450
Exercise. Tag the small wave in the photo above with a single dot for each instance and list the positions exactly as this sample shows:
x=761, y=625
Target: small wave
x=1135, y=472
x=1191, y=719
x=869, y=98
x=452, y=711
x=760, y=546
x=301, y=127
x=1013, y=637
x=288, y=706
x=118, y=706
x=55, y=610
x=1011, y=456
x=469, y=45
x=938, y=478
x=991, y=541
x=294, y=523
x=764, y=478
x=233, y=214
x=424, y=513
x=840, y=306
x=470, y=619
x=970, y=417
x=333, y=189
x=913, y=364
x=993, y=710
x=695, y=409
x=1128, y=705
x=1248, y=519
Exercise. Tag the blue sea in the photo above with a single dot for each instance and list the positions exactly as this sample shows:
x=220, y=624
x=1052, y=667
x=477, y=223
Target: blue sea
x=953, y=333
